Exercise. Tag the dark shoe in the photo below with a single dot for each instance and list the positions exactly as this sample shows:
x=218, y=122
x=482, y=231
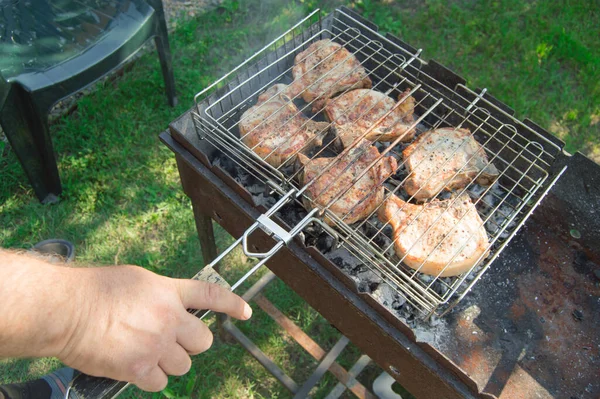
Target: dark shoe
x=38, y=389
x=51, y=386
x=56, y=247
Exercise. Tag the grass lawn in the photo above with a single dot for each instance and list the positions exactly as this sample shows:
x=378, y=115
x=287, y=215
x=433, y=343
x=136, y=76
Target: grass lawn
x=123, y=203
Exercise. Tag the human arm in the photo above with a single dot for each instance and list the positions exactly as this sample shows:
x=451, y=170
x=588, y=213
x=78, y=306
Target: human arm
x=121, y=322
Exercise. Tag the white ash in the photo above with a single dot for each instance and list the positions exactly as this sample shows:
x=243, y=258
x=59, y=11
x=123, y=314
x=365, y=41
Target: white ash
x=496, y=207
x=261, y=199
x=431, y=331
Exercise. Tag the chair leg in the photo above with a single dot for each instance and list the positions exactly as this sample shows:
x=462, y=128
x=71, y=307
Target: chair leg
x=164, y=53
x=26, y=127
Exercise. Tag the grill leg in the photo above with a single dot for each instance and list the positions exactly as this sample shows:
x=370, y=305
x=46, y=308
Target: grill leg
x=206, y=236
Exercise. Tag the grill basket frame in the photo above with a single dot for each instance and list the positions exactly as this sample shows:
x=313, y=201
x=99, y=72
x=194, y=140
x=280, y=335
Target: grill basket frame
x=442, y=99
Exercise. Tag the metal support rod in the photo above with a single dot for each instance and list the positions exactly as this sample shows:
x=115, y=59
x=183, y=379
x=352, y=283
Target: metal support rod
x=258, y=286
x=358, y=367
x=311, y=346
x=259, y=355
x=323, y=367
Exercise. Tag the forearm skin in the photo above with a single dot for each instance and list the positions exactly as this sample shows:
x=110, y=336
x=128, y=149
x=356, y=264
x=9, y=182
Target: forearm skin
x=41, y=305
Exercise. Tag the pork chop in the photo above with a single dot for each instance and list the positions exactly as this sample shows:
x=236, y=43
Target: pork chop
x=276, y=130
x=362, y=197
x=446, y=158
x=324, y=69
x=454, y=224
x=354, y=114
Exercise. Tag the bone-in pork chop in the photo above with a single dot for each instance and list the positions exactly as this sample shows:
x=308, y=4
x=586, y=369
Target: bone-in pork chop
x=446, y=158
x=324, y=69
x=276, y=130
x=444, y=238
x=355, y=114
x=362, y=197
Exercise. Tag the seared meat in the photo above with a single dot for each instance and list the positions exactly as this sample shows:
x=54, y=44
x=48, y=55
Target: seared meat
x=362, y=197
x=418, y=229
x=276, y=130
x=438, y=155
x=355, y=113
x=324, y=69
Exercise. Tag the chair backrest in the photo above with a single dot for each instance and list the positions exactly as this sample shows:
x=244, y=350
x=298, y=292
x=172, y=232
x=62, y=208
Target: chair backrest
x=39, y=34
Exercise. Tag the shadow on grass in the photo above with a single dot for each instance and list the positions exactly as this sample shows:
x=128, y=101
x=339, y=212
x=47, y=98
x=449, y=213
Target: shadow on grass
x=122, y=200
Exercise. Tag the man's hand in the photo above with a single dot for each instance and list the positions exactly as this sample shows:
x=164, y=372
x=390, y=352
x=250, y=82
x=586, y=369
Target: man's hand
x=121, y=322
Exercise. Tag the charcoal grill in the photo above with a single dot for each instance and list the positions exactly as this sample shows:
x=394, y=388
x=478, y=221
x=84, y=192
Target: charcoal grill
x=519, y=152
x=515, y=335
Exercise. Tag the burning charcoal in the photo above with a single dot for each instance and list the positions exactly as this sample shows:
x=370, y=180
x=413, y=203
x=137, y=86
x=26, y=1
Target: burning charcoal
x=476, y=190
x=382, y=240
x=339, y=262
x=369, y=229
x=367, y=287
x=243, y=180
x=325, y=243
x=260, y=199
x=407, y=312
x=292, y=215
x=388, y=231
x=444, y=195
x=310, y=241
x=381, y=146
x=369, y=277
x=254, y=188
x=385, y=295
x=439, y=288
x=398, y=302
x=435, y=321
x=343, y=258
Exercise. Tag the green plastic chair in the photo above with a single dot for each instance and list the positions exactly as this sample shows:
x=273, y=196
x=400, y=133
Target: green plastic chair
x=51, y=49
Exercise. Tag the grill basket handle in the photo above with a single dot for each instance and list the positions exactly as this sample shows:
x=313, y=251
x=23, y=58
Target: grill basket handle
x=89, y=387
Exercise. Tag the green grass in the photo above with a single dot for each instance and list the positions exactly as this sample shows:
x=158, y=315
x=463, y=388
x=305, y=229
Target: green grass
x=123, y=203
x=542, y=58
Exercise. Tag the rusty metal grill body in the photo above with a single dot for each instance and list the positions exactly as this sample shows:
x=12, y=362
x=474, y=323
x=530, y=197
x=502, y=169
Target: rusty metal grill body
x=522, y=155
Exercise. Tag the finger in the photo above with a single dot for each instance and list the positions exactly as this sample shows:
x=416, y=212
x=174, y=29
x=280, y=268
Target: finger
x=154, y=381
x=193, y=335
x=200, y=295
x=176, y=361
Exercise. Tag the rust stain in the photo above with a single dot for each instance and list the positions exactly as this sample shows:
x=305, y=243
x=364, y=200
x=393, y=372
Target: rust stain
x=477, y=365
x=517, y=310
x=554, y=295
x=522, y=385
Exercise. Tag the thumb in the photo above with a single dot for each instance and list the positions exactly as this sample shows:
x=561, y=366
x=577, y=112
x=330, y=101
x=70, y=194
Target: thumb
x=207, y=296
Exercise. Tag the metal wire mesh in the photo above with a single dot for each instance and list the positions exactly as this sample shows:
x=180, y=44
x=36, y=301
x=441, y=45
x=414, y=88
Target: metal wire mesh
x=521, y=156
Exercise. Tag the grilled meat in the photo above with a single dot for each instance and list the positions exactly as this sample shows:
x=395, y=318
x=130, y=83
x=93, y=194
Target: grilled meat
x=276, y=130
x=445, y=158
x=440, y=238
x=355, y=114
x=362, y=197
x=324, y=69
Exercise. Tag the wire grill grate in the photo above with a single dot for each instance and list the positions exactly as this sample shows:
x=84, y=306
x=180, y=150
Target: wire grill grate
x=522, y=156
